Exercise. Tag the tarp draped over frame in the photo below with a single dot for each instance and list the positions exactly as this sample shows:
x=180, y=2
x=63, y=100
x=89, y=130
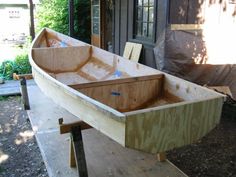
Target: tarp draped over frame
x=184, y=54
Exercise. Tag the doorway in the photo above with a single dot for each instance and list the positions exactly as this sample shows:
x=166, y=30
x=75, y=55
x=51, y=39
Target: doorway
x=102, y=24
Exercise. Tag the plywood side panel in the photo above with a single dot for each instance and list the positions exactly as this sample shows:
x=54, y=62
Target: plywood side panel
x=126, y=96
x=61, y=38
x=186, y=90
x=121, y=64
x=105, y=56
x=133, y=68
x=164, y=129
x=61, y=59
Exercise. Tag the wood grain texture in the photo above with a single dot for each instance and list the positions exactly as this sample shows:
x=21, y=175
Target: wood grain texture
x=128, y=50
x=126, y=96
x=61, y=59
x=162, y=129
x=132, y=51
x=186, y=27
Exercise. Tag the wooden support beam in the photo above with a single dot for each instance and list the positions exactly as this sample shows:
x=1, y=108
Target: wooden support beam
x=20, y=76
x=66, y=128
x=24, y=94
x=77, y=141
x=161, y=157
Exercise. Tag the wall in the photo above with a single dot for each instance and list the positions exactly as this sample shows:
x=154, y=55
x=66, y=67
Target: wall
x=19, y=23
x=123, y=29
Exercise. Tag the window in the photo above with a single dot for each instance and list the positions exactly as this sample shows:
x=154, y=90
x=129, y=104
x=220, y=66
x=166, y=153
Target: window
x=144, y=19
x=96, y=17
x=14, y=13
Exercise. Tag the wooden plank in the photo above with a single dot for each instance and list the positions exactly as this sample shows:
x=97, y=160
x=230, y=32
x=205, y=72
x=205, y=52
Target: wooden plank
x=117, y=81
x=57, y=60
x=128, y=50
x=20, y=76
x=186, y=26
x=165, y=128
x=136, y=52
x=129, y=95
x=188, y=91
x=132, y=51
x=66, y=128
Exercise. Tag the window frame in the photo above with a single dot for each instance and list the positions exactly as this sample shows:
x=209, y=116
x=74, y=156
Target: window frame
x=145, y=39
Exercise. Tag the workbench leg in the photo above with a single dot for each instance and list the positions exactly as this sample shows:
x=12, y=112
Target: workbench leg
x=24, y=94
x=76, y=136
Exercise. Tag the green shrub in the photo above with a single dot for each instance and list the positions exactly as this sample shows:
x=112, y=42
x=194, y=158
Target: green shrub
x=20, y=65
x=7, y=69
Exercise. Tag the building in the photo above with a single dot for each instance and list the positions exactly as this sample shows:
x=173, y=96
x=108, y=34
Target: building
x=193, y=39
x=14, y=17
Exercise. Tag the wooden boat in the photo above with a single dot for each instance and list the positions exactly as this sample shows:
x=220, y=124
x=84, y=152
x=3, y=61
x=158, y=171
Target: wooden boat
x=135, y=105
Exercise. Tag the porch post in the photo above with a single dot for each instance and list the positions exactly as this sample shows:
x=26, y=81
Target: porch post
x=71, y=18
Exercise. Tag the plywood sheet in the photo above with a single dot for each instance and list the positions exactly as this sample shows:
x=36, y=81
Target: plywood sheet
x=61, y=59
x=165, y=128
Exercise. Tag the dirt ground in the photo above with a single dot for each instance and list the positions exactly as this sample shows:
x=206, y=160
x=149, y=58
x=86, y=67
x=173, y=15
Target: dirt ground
x=19, y=153
x=212, y=156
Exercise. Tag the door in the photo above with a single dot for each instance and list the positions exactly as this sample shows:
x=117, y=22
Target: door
x=101, y=23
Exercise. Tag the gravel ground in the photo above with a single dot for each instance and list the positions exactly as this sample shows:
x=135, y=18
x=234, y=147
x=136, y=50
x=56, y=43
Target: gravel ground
x=19, y=153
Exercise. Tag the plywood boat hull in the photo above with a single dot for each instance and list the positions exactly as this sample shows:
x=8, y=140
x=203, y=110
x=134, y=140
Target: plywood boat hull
x=137, y=106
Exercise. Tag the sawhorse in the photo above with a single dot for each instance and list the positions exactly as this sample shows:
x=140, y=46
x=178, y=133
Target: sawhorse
x=77, y=155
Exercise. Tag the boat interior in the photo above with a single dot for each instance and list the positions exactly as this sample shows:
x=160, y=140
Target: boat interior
x=108, y=78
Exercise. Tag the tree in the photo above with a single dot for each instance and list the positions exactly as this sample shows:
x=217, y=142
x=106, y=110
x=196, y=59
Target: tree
x=32, y=32
x=54, y=14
